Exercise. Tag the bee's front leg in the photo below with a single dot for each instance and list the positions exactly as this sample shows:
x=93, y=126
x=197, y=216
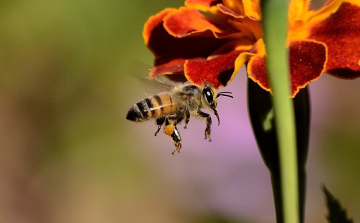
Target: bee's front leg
x=159, y=123
x=208, y=123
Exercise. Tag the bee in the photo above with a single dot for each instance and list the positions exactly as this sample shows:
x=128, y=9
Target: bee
x=170, y=108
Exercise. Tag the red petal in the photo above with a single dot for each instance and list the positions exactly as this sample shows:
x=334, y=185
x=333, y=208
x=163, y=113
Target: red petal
x=341, y=34
x=171, y=52
x=218, y=70
x=172, y=67
x=257, y=71
x=307, y=61
x=153, y=22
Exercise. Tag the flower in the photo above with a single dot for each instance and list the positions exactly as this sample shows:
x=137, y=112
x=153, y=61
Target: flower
x=209, y=41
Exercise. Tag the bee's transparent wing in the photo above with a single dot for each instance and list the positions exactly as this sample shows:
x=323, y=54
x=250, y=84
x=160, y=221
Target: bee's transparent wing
x=155, y=85
x=140, y=72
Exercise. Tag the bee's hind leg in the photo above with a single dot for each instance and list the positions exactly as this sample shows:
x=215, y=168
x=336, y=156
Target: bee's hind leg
x=173, y=132
x=159, y=123
x=176, y=138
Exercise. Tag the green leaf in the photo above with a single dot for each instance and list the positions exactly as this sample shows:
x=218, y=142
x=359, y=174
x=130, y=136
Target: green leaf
x=336, y=213
x=261, y=111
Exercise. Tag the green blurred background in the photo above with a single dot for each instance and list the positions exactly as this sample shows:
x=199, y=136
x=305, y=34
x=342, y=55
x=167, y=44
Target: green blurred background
x=67, y=154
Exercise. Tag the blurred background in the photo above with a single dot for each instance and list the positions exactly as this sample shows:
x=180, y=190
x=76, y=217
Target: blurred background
x=67, y=153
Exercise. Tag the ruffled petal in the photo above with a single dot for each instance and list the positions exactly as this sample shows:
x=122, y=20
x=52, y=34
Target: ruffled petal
x=173, y=66
x=256, y=70
x=307, y=61
x=153, y=22
x=302, y=18
x=257, y=49
x=171, y=52
x=186, y=21
x=202, y=5
x=341, y=34
x=241, y=9
x=209, y=40
x=252, y=9
x=297, y=10
x=218, y=70
x=230, y=12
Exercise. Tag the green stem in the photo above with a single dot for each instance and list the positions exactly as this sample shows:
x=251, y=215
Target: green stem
x=274, y=17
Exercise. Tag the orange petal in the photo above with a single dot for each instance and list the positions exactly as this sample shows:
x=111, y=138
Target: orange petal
x=307, y=60
x=236, y=7
x=240, y=9
x=257, y=49
x=297, y=10
x=252, y=9
x=228, y=11
x=218, y=70
x=185, y=21
x=202, y=5
x=341, y=34
x=302, y=17
x=256, y=68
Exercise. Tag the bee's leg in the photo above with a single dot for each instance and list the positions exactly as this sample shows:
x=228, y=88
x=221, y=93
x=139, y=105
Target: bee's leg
x=208, y=123
x=187, y=117
x=175, y=118
x=176, y=138
x=159, y=123
x=179, y=116
x=173, y=132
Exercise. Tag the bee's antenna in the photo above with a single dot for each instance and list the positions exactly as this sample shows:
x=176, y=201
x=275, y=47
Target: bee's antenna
x=225, y=93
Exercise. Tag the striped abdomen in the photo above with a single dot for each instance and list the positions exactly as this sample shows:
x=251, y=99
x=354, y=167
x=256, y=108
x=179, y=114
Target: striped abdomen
x=153, y=107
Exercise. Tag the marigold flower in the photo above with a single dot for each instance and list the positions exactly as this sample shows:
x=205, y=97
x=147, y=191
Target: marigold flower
x=209, y=40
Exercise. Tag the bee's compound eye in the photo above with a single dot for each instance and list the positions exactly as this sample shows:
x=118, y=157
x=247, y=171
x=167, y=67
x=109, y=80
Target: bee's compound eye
x=208, y=94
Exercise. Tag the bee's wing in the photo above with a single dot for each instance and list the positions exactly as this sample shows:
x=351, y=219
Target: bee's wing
x=156, y=85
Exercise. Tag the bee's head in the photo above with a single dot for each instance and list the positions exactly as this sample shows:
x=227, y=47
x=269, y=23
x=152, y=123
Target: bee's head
x=209, y=98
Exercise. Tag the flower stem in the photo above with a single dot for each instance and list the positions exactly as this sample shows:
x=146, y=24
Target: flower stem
x=274, y=17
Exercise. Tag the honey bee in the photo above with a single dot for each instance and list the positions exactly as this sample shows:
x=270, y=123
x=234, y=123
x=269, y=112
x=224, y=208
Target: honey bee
x=172, y=107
